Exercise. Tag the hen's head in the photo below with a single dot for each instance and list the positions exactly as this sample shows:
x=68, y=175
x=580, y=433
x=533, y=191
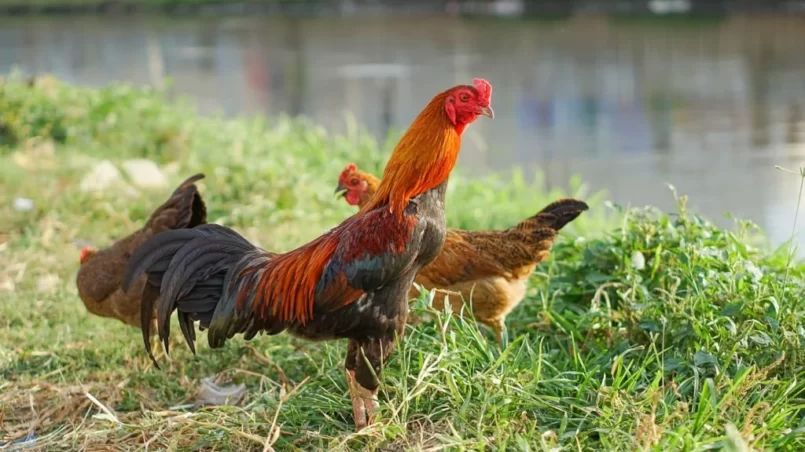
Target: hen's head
x=352, y=184
x=464, y=103
x=87, y=253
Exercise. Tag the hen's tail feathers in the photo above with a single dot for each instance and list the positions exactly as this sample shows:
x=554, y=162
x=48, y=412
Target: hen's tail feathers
x=189, y=270
x=184, y=209
x=535, y=236
x=555, y=215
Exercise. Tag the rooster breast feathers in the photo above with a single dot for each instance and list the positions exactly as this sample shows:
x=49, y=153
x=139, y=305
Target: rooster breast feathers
x=213, y=275
x=374, y=250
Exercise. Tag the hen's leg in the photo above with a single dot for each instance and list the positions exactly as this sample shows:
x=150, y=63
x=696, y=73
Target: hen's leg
x=501, y=334
x=498, y=326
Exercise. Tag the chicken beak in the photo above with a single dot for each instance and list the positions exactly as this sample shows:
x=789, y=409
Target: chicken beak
x=487, y=111
x=340, y=191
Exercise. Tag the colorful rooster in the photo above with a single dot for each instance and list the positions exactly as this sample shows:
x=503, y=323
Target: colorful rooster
x=350, y=283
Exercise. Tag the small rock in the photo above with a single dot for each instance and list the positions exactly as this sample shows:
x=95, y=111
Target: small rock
x=145, y=173
x=47, y=282
x=212, y=394
x=103, y=176
x=7, y=285
x=638, y=260
x=171, y=169
x=23, y=204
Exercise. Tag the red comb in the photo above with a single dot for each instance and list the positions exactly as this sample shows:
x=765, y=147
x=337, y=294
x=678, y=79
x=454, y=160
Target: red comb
x=84, y=252
x=348, y=169
x=484, y=89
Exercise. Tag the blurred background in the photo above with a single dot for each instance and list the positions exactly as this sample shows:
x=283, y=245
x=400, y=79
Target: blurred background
x=632, y=95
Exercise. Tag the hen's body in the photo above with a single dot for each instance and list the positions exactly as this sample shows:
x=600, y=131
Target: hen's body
x=101, y=272
x=489, y=269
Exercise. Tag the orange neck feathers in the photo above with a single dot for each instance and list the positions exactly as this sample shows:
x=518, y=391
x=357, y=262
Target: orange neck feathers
x=421, y=160
x=372, y=184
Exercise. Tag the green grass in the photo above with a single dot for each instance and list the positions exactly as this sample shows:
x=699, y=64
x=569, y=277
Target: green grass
x=644, y=331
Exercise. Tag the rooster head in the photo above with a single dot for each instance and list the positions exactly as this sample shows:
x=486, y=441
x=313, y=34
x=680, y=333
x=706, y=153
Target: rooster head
x=465, y=103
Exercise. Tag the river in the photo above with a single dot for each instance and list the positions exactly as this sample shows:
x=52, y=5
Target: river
x=708, y=105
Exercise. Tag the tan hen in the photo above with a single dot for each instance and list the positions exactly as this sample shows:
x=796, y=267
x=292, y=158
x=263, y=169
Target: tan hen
x=488, y=268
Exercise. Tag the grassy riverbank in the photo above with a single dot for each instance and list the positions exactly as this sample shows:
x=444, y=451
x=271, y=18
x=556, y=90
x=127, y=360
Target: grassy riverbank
x=645, y=330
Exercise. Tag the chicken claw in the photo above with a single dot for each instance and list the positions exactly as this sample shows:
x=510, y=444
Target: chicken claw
x=364, y=402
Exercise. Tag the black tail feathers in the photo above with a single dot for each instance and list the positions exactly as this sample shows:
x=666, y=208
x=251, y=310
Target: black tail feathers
x=186, y=272
x=559, y=213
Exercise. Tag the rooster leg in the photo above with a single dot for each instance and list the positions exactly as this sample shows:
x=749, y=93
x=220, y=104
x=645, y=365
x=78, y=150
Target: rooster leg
x=359, y=409
x=364, y=402
x=370, y=403
x=364, y=362
x=358, y=405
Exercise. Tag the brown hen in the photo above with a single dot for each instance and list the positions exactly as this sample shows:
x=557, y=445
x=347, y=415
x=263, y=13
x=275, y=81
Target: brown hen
x=101, y=272
x=488, y=268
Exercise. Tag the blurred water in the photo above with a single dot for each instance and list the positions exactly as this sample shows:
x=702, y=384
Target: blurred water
x=709, y=106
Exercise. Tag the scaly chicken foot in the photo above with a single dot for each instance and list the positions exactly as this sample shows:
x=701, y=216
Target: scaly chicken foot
x=364, y=402
x=501, y=333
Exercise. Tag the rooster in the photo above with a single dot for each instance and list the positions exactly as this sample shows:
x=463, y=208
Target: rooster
x=101, y=272
x=351, y=283
x=487, y=268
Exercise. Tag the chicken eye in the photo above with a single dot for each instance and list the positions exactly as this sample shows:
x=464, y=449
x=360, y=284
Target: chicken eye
x=464, y=97
x=354, y=182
